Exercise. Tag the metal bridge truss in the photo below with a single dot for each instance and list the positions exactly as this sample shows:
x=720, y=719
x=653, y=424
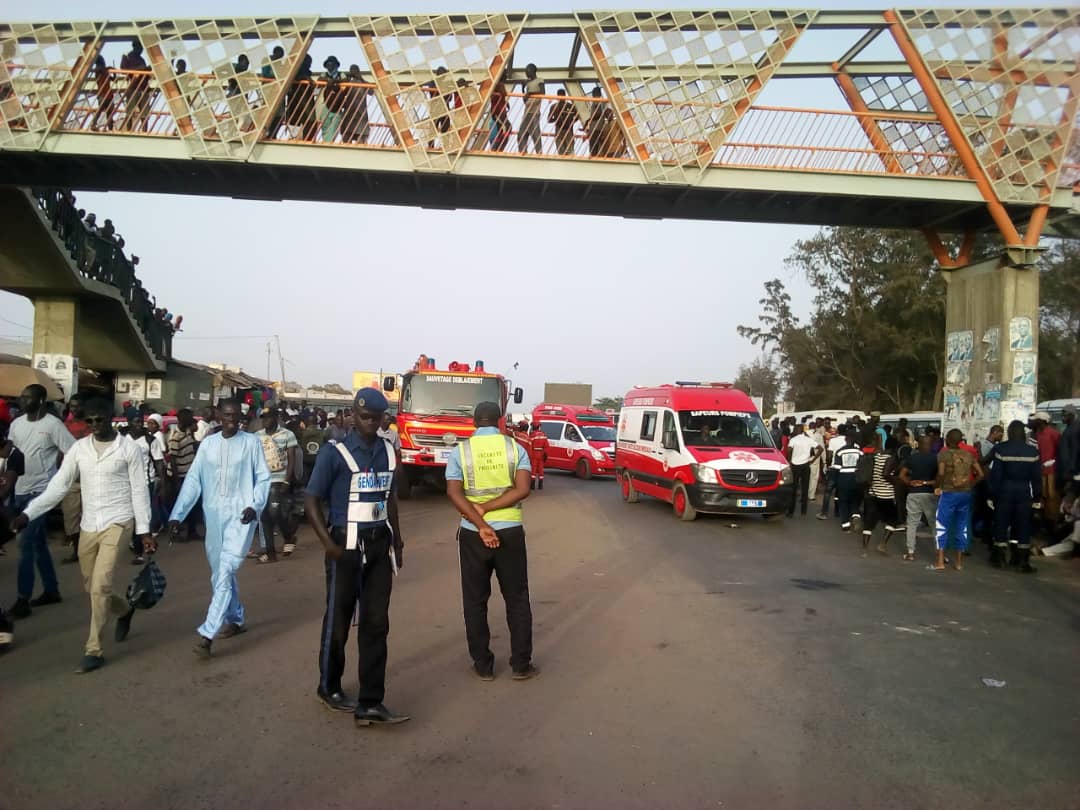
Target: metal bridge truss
x=983, y=96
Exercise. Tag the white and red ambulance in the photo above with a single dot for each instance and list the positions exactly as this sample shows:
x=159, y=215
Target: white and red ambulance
x=581, y=439
x=702, y=447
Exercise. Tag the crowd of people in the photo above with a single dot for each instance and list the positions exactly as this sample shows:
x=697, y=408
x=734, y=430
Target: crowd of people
x=98, y=252
x=238, y=469
x=1016, y=490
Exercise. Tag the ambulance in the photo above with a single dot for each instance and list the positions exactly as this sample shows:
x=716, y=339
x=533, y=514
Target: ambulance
x=701, y=447
x=581, y=439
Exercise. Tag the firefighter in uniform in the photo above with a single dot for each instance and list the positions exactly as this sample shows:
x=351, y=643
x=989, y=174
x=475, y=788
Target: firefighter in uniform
x=487, y=478
x=363, y=545
x=1015, y=485
x=538, y=446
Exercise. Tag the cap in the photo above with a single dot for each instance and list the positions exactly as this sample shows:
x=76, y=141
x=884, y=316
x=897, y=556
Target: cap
x=1043, y=416
x=371, y=398
x=155, y=417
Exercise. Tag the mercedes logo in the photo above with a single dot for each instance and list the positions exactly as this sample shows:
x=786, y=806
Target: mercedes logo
x=751, y=477
x=449, y=439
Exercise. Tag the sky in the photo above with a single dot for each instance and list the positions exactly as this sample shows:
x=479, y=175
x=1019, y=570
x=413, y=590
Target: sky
x=600, y=300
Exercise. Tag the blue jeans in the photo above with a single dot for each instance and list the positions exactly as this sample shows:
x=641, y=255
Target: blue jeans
x=953, y=519
x=34, y=549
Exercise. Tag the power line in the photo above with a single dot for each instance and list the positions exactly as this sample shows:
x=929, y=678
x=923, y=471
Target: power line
x=13, y=323
x=221, y=337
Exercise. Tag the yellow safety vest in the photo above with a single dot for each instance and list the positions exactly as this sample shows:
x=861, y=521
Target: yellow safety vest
x=488, y=464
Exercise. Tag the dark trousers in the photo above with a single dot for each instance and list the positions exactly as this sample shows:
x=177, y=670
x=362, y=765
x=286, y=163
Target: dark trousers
x=510, y=565
x=877, y=510
x=830, y=490
x=801, y=473
x=849, y=495
x=348, y=584
x=279, y=513
x=1012, y=513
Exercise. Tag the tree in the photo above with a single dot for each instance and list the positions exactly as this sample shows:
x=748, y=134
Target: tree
x=876, y=332
x=608, y=403
x=760, y=379
x=1059, y=321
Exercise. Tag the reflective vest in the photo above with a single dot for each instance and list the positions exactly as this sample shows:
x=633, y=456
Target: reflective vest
x=369, y=492
x=488, y=465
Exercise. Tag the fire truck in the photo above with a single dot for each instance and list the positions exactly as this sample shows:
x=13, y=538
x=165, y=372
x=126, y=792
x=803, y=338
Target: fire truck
x=435, y=411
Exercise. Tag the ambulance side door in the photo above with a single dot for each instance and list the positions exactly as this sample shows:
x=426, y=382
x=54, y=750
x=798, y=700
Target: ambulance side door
x=574, y=443
x=555, y=452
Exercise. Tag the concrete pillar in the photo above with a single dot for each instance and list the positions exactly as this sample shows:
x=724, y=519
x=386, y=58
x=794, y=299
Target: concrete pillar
x=55, y=326
x=992, y=343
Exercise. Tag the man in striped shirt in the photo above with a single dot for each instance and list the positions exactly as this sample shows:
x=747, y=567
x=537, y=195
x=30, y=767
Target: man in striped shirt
x=182, y=447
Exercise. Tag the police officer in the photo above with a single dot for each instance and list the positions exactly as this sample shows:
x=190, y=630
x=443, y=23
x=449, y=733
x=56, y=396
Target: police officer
x=1015, y=484
x=487, y=478
x=363, y=544
x=538, y=447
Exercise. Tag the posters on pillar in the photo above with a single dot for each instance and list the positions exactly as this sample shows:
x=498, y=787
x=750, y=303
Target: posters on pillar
x=992, y=343
x=153, y=388
x=958, y=373
x=954, y=408
x=131, y=386
x=63, y=369
x=1018, y=402
x=1020, y=337
x=1024, y=368
x=961, y=346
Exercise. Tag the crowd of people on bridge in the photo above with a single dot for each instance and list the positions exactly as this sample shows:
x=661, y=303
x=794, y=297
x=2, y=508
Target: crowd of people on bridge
x=250, y=468
x=98, y=253
x=1016, y=490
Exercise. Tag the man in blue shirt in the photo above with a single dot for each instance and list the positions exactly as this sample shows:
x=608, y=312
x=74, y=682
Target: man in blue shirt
x=364, y=549
x=487, y=477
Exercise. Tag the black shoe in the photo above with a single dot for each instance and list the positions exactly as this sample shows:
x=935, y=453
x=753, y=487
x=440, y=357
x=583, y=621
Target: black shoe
x=123, y=625
x=90, y=663
x=74, y=558
x=483, y=673
x=138, y=561
x=21, y=609
x=1025, y=563
x=377, y=716
x=202, y=648
x=525, y=674
x=231, y=629
x=996, y=557
x=336, y=701
x=47, y=598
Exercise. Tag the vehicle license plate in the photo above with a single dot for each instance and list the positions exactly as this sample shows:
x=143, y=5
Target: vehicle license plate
x=746, y=503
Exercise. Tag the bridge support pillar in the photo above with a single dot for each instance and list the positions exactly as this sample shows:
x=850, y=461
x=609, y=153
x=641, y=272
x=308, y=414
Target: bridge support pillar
x=55, y=325
x=991, y=345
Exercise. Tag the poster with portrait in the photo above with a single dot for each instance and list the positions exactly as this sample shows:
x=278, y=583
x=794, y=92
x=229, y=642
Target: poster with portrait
x=132, y=386
x=63, y=369
x=991, y=410
x=954, y=407
x=1017, y=402
x=153, y=388
x=1020, y=336
x=960, y=346
x=958, y=373
x=1024, y=368
x=992, y=344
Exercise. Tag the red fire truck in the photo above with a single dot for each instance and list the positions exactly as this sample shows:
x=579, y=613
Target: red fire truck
x=435, y=411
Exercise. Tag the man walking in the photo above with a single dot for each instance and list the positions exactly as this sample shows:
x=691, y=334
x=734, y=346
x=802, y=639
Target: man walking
x=802, y=452
x=958, y=473
x=182, y=447
x=831, y=497
x=116, y=505
x=1016, y=482
x=848, y=492
x=231, y=476
x=538, y=448
x=487, y=478
x=278, y=443
x=42, y=439
x=919, y=472
x=364, y=549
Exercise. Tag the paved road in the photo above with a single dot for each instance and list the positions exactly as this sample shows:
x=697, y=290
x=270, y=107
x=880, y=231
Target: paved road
x=683, y=666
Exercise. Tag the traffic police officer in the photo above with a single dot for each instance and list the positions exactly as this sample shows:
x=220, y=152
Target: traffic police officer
x=538, y=447
x=1015, y=484
x=487, y=478
x=363, y=552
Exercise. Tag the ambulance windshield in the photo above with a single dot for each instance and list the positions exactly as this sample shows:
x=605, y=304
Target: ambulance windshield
x=723, y=429
x=446, y=394
x=596, y=433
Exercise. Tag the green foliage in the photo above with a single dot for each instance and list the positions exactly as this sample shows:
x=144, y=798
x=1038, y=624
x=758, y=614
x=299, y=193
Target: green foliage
x=1059, y=321
x=760, y=379
x=608, y=403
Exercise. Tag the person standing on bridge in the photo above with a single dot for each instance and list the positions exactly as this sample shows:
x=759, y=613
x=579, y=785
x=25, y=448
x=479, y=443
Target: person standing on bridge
x=116, y=505
x=364, y=549
x=230, y=475
x=487, y=478
x=42, y=439
x=563, y=115
x=533, y=88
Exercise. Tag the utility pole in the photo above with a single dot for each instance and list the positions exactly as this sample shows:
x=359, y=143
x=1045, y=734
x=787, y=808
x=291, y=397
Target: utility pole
x=268, y=359
x=281, y=361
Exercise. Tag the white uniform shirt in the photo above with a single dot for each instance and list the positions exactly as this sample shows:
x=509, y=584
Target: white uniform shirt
x=113, y=485
x=151, y=451
x=801, y=448
x=40, y=442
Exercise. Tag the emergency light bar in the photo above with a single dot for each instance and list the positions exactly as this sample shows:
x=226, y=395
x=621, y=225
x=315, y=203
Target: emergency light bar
x=688, y=383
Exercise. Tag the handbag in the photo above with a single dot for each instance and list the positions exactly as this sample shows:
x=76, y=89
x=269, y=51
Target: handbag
x=147, y=588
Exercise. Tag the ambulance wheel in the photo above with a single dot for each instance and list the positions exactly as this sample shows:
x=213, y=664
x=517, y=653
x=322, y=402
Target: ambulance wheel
x=584, y=472
x=629, y=494
x=680, y=502
x=404, y=492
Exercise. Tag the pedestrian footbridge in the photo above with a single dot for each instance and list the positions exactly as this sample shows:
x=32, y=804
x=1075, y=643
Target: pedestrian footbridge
x=951, y=121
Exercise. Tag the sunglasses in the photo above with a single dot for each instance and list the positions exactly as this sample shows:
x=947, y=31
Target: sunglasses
x=93, y=420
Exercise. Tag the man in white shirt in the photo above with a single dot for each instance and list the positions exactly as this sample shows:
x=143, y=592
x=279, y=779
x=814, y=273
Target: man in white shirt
x=152, y=451
x=385, y=431
x=835, y=445
x=803, y=450
x=42, y=439
x=207, y=425
x=277, y=443
x=116, y=504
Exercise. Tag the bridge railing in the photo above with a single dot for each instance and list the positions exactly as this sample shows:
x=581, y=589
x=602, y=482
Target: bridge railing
x=347, y=114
